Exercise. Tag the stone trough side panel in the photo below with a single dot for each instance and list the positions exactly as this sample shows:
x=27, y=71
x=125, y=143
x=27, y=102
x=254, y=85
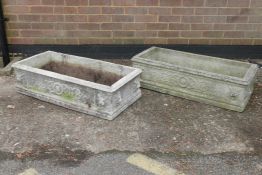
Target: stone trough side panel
x=207, y=90
x=63, y=93
x=126, y=93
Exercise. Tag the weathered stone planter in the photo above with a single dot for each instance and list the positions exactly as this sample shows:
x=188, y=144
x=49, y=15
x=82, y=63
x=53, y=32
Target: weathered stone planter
x=220, y=82
x=84, y=96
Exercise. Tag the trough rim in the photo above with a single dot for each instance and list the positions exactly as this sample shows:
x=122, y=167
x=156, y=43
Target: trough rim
x=125, y=79
x=245, y=80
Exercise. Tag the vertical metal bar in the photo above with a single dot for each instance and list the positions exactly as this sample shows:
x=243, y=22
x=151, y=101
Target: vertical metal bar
x=3, y=39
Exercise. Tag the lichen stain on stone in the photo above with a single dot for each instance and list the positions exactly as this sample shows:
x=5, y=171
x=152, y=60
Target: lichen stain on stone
x=37, y=89
x=68, y=96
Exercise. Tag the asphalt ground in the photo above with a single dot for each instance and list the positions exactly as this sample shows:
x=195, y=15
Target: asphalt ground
x=186, y=136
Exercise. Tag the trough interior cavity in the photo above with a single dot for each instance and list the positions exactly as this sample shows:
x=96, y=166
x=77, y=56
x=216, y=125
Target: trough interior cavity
x=82, y=72
x=199, y=62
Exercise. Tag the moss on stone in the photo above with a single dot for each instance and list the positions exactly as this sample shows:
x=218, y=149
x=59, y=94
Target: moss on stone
x=68, y=96
x=37, y=89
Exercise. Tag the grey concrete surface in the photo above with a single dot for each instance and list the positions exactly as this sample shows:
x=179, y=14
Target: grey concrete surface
x=157, y=121
x=114, y=163
x=7, y=70
x=183, y=134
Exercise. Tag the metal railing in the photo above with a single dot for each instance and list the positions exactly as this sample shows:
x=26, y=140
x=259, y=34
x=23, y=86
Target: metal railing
x=3, y=38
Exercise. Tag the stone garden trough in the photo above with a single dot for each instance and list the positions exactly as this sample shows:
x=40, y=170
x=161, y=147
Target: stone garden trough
x=220, y=82
x=37, y=77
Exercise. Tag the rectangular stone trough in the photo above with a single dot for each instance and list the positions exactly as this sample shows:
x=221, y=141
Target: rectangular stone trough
x=105, y=101
x=220, y=82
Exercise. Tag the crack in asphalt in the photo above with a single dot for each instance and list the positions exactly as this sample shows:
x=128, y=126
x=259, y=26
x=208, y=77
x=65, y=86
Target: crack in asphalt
x=68, y=157
x=60, y=154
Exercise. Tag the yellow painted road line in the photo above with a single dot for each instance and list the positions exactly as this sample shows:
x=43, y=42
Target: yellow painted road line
x=151, y=165
x=30, y=171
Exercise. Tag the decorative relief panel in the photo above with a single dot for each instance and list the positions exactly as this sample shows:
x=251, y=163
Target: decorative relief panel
x=97, y=98
x=185, y=82
x=100, y=100
x=117, y=98
x=191, y=83
x=205, y=87
x=53, y=87
x=234, y=94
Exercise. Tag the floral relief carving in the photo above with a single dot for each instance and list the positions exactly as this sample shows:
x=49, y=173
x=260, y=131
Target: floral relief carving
x=135, y=85
x=118, y=98
x=204, y=87
x=51, y=87
x=185, y=82
x=56, y=88
x=21, y=78
x=233, y=93
x=60, y=88
x=100, y=100
x=192, y=84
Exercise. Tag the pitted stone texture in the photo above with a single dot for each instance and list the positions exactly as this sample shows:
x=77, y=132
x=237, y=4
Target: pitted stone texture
x=92, y=98
x=220, y=82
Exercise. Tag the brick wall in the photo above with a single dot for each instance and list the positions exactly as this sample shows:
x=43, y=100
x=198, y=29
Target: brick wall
x=229, y=22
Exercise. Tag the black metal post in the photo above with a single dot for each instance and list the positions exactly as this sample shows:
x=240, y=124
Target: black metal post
x=3, y=39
